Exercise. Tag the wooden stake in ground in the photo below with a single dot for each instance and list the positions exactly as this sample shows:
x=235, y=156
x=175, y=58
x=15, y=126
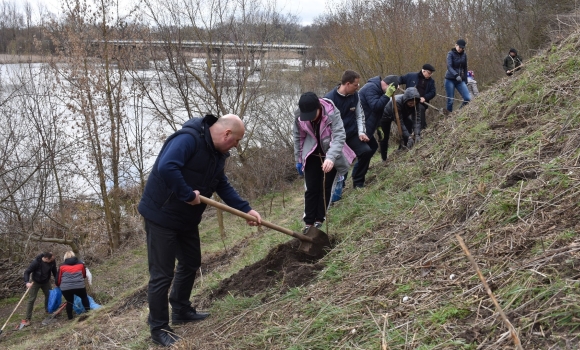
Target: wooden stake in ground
x=508, y=324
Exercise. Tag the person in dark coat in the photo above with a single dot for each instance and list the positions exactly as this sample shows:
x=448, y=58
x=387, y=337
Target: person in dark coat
x=511, y=62
x=425, y=85
x=346, y=100
x=71, y=280
x=410, y=123
x=41, y=268
x=456, y=75
x=191, y=163
x=374, y=96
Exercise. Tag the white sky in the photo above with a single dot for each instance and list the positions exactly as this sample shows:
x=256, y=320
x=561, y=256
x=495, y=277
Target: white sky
x=306, y=10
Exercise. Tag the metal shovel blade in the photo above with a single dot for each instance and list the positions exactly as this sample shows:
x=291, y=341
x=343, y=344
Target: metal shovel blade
x=51, y=317
x=320, y=242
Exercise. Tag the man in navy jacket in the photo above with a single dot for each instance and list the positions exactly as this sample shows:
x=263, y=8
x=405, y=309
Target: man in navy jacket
x=190, y=163
x=346, y=100
x=425, y=85
x=374, y=96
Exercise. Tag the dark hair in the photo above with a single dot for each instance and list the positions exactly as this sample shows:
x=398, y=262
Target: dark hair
x=349, y=76
x=47, y=255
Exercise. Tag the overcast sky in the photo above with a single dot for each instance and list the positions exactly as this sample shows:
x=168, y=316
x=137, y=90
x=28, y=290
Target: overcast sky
x=306, y=10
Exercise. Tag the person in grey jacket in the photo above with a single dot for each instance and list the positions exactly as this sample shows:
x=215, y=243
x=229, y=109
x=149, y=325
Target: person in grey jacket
x=456, y=75
x=511, y=62
x=320, y=152
x=71, y=280
x=410, y=119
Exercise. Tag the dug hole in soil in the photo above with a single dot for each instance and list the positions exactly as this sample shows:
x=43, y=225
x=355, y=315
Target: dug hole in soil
x=284, y=263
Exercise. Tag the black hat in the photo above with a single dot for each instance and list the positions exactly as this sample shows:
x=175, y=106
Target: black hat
x=309, y=105
x=392, y=79
x=428, y=67
x=514, y=50
x=461, y=43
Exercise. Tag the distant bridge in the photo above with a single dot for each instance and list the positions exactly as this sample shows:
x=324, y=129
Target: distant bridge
x=218, y=47
x=253, y=46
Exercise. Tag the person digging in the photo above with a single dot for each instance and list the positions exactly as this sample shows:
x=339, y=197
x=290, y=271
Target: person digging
x=40, y=268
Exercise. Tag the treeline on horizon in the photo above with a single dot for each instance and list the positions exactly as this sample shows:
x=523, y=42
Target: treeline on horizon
x=80, y=132
x=374, y=37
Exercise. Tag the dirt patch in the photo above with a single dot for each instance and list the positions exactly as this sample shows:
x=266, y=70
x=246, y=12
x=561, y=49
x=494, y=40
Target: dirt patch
x=137, y=300
x=516, y=176
x=284, y=264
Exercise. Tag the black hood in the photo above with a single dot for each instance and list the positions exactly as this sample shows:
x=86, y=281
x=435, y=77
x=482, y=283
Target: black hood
x=71, y=261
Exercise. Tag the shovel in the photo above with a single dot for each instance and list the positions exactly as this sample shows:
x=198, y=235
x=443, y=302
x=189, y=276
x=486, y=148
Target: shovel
x=311, y=243
x=17, y=305
x=51, y=317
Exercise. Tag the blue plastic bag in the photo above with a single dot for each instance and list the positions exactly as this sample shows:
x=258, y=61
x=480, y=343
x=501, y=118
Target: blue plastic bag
x=78, y=304
x=54, y=299
x=337, y=194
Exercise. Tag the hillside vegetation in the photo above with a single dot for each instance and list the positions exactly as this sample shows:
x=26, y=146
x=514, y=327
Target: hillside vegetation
x=503, y=173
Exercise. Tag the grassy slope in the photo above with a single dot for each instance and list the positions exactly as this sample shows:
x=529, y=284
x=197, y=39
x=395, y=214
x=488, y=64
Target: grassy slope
x=396, y=238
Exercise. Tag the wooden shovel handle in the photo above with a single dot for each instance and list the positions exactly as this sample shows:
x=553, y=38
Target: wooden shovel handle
x=17, y=305
x=252, y=218
x=397, y=119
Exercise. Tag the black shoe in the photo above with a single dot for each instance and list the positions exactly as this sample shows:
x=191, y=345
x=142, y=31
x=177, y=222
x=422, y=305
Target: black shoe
x=188, y=315
x=164, y=337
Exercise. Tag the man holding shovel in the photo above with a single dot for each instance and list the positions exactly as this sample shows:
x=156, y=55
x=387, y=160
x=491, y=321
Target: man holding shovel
x=512, y=62
x=321, y=153
x=41, y=268
x=191, y=163
x=409, y=121
x=374, y=96
x=425, y=85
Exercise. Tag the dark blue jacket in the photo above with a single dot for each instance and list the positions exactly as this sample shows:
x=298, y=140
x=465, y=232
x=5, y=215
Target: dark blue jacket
x=456, y=65
x=412, y=79
x=373, y=100
x=187, y=161
x=347, y=106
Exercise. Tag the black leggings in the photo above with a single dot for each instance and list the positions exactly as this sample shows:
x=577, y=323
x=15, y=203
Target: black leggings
x=69, y=295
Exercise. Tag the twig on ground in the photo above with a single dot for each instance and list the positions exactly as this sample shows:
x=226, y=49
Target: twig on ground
x=508, y=324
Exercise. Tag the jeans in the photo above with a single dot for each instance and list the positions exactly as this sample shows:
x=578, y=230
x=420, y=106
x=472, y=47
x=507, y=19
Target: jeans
x=450, y=86
x=364, y=154
x=69, y=296
x=32, y=297
x=314, y=201
x=163, y=247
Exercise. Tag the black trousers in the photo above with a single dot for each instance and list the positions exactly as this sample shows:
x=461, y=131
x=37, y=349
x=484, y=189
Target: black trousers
x=314, y=209
x=163, y=247
x=69, y=296
x=364, y=153
x=421, y=109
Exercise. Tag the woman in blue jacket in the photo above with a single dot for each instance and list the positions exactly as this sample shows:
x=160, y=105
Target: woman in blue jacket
x=456, y=75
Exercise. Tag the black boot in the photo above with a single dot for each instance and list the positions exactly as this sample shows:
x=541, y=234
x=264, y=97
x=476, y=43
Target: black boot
x=164, y=336
x=187, y=315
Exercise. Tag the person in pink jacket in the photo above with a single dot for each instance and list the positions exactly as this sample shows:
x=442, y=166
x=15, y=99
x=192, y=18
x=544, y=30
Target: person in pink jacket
x=320, y=152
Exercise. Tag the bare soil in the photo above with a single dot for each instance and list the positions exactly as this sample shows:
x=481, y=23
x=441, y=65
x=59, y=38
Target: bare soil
x=285, y=264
